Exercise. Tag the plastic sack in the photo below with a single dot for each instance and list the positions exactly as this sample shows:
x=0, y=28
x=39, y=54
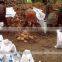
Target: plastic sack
x=1, y=25
x=1, y=39
x=39, y=14
x=7, y=57
x=17, y=57
x=10, y=12
x=43, y=25
x=27, y=56
x=1, y=57
x=7, y=46
x=59, y=39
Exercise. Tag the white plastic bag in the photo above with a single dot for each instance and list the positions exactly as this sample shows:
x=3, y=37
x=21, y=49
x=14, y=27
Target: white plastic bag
x=40, y=15
x=44, y=26
x=10, y=12
x=1, y=39
x=7, y=46
x=27, y=56
x=59, y=39
x=1, y=25
x=1, y=57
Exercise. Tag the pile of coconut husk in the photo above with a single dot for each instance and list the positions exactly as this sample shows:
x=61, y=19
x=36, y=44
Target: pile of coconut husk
x=25, y=36
x=21, y=10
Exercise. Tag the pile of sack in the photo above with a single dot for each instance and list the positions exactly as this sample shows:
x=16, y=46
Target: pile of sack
x=8, y=52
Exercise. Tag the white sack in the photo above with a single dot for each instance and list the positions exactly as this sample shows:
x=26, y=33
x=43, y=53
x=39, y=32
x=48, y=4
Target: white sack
x=44, y=26
x=1, y=25
x=2, y=56
x=7, y=58
x=59, y=39
x=27, y=56
x=40, y=15
x=10, y=12
x=7, y=46
x=1, y=39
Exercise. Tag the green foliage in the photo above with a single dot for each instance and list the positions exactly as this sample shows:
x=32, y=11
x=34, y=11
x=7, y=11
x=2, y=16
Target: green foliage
x=31, y=1
x=38, y=1
x=59, y=0
x=60, y=10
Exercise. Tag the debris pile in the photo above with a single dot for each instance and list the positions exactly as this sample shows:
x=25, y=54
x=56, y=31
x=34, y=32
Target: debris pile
x=25, y=37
